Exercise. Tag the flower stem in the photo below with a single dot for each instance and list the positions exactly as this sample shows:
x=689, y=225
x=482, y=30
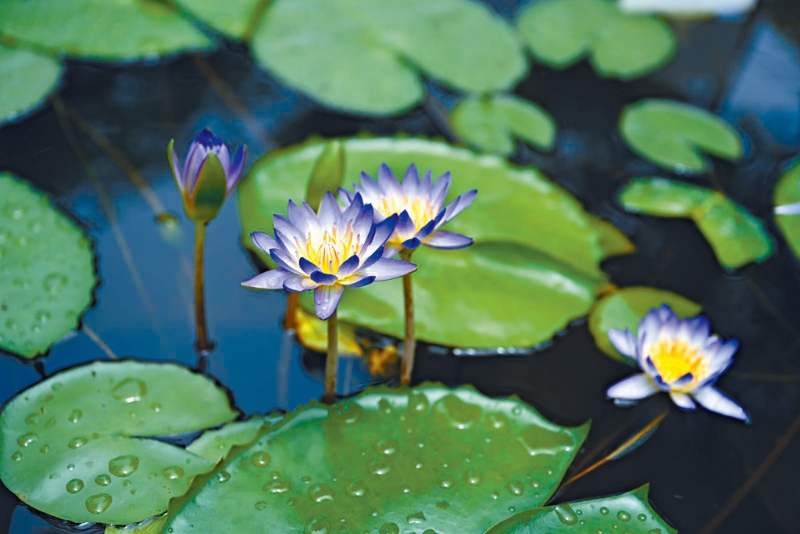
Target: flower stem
x=331, y=362
x=290, y=319
x=410, y=344
x=203, y=345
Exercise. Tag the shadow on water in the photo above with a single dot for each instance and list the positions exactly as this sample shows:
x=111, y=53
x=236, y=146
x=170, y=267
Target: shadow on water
x=745, y=69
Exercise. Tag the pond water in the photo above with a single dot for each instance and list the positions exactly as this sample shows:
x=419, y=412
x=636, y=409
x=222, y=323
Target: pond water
x=707, y=473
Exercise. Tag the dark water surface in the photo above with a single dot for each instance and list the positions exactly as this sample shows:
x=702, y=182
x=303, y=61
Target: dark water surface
x=707, y=473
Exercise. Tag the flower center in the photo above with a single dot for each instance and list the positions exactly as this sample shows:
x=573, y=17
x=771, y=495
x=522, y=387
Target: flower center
x=420, y=209
x=675, y=358
x=329, y=249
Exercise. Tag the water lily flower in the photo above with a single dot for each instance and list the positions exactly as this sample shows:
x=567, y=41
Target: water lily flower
x=208, y=175
x=688, y=7
x=679, y=357
x=327, y=252
x=418, y=206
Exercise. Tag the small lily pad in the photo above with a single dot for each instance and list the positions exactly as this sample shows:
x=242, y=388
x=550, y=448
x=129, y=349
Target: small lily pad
x=676, y=136
x=491, y=123
x=28, y=77
x=97, y=29
x=612, y=241
x=47, y=266
x=151, y=526
x=627, y=307
x=214, y=445
x=368, y=57
x=448, y=460
x=787, y=191
x=477, y=297
x=74, y=446
x=231, y=18
x=561, y=32
x=735, y=235
x=630, y=512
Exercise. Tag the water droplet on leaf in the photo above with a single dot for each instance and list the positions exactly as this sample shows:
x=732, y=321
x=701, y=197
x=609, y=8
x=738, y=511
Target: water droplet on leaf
x=123, y=466
x=97, y=504
x=75, y=485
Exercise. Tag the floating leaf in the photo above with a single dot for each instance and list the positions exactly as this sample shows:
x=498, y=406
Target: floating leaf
x=492, y=123
x=68, y=445
x=787, y=191
x=232, y=18
x=47, y=270
x=736, y=236
x=151, y=526
x=619, y=45
x=366, y=56
x=97, y=29
x=544, y=248
x=675, y=136
x=312, y=333
x=626, y=307
x=629, y=512
x=28, y=78
x=214, y=445
x=612, y=241
x=448, y=460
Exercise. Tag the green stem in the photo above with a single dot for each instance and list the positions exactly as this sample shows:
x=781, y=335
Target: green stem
x=290, y=320
x=203, y=344
x=331, y=362
x=410, y=344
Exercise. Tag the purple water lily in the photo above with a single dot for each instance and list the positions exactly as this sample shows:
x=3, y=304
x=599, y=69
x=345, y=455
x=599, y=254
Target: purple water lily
x=327, y=252
x=679, y=357
x=196, y=156
x=418, y=206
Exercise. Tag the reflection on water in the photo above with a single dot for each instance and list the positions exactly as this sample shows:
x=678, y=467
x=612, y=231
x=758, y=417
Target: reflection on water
x=694, y=462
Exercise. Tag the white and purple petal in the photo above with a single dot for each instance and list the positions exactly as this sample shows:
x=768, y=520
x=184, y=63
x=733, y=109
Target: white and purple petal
x=411, y=181
x=459, y=204
x=634, y=387
x=682, y=401
x=326, y=299
x=234, y=173
x=388, y=181
x=264, y=241
x=448, y=240
x=298, y=284
x=388, y=268
x=623, y=341
x=273, y=279
x=438, y=191
x=714, y=400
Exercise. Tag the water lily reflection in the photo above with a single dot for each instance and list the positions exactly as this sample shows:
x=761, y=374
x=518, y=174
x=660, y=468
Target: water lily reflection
x=679, y=357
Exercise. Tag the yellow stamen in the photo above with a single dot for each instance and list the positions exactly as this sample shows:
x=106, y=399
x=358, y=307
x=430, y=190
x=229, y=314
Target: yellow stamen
x=419, y=208
x=330, y=249
x=676, y=357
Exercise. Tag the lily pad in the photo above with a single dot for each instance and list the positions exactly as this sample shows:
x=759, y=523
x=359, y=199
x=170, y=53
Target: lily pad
x=735, y=235
x=561, y=32
x=787, y=191
x=448, y=460
x=630, y=512
x=28, y=77
x=368, y=57
x=676, y=136
x=231, y=18
x=141, y=29
x=74, y=445
x=491, y=123
x=544, y=247
x=151, y=526
x=612, y=241
x=47, y=267
x=627, y=307
x=214, y=445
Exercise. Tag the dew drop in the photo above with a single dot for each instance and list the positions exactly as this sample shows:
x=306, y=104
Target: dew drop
x=457, y=413
x=380, y=467
x=261, y=505
x=223, y=476
x=123, y=466
x=172, y=472
x=129, y=390
x=516, y=410
x=126, y=483
x=386, y=446
x=26, y=439
x=390, y=528
x=347, y=413
x=17, y=456
x=321, y=493
x=103, y=480
x=54, y=282
x=418, y=402
x=473, y=478
x=356, y=488
x=31, y=419
x=42, y=316
x=45, y=449
x=446, y=481
x=536, y=484
x=515, y=488
x=566, y=514
x=75, y=485
x=277, y=486
x=442, y=505
x=54, y=476
x=317, y=526
x=78, y=442
x=604, y=510
x=416, y=519
x=97, y=504
x=75, y=416
x=71, y=467
x=156, y=407
x=261, y=459
x=623, y=516
x=497, y=420
x=385, y=406
x=641, y=517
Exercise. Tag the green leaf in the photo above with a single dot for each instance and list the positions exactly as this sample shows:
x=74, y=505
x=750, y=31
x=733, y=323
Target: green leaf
x=630, y=512
x=675, y=136
x=28, y=78
x=787, y=191
x=151, y=526
x=612, y=241
x=491, y=123
x=627, y=307
x=214, y=445
x=449, y=460
x=98, y=29
x=48, y=275
x=561, y=32
x=367, y=57
x=544, y=247
x=328, y=173
x=231, y=18
x=737, y=237
x=74, y=446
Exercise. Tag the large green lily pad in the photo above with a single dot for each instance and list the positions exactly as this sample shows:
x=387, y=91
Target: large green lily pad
x=545, y=246
x=561, y=32
x=74, y=445
x=368, y=57
x=676, y=136
x=28, y=77
x=47, y=274
x=98, y=29
x=627, y=307
x=735, y=235
x=388, y=460
x=787, y=191
x=627, y=513
x=491, y=123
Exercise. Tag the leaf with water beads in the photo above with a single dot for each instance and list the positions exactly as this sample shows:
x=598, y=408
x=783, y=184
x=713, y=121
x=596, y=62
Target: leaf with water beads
x=47, y=275
x=627, y=513
x=28, y=77
x=389, y=460
x=74, y=446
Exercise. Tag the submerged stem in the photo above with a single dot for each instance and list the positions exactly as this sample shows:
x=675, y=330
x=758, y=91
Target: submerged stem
x=290, y=319
x=332, y=360
x=203, y=345
x=410, y=344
